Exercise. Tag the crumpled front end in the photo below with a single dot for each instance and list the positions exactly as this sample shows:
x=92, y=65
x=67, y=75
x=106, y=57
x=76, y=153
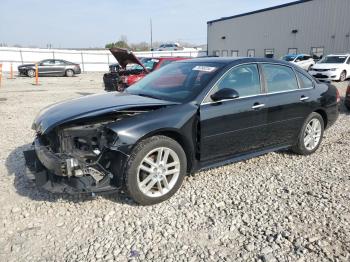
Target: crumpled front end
x=77, y=159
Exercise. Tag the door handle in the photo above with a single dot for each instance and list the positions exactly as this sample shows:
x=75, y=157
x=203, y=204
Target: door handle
x=304, y=98
x=258, y=106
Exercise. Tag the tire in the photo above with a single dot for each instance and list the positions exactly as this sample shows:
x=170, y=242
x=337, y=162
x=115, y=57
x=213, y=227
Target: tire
x=148, y=192
x=31, y=73
x=69, y=73
x=304, y=148
x=347, y=106
x=342, y=76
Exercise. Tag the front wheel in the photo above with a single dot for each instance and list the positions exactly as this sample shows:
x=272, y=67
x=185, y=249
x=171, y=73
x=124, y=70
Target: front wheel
x=155, y=170
x=310, y=135
x=31, y=73
x=342, y=76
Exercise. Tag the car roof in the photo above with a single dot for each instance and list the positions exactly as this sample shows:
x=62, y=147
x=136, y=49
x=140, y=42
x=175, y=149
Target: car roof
x=236, y=60
x=339, y=55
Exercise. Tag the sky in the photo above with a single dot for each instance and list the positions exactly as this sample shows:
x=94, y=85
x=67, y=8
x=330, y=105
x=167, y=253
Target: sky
x=93, y=23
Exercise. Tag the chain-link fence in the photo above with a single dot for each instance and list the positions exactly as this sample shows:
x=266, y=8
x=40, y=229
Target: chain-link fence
x=89, y=60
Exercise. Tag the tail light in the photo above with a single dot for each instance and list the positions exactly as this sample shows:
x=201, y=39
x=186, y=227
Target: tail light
x=338, y=95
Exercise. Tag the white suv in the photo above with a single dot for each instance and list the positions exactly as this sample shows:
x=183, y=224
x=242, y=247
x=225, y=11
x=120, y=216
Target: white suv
x=302, y=60
x=332, y=67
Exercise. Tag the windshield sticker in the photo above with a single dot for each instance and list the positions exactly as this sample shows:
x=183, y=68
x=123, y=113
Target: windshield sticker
x=155, y=60
x=204, y=68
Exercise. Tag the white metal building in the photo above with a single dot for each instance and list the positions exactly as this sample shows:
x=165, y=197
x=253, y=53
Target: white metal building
x=316, y=27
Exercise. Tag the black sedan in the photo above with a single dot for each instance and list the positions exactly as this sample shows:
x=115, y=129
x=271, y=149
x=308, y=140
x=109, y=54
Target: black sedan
x=50, y=67
x=187, y=116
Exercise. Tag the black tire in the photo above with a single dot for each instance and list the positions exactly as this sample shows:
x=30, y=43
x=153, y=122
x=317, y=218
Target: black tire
x=31, y=73
x=138, y=153
x=347, y=106
x=69, y=73
x=342, y=76
x=300, y=147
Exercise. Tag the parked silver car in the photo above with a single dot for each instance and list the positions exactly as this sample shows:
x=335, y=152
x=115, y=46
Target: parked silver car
x=50, y=67
x=170, y=47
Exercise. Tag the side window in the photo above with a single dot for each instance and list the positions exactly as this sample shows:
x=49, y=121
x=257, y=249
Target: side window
x=305, y=81
x=244, y=79
x=279, y=78
x=48, y=62
x=348, y=61
x=299, y=58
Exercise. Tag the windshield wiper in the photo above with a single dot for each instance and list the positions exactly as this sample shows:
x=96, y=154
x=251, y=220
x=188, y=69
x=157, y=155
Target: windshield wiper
x=147, y=95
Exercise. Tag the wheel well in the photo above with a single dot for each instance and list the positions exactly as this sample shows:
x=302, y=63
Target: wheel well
x=324, y=116
x=181, y=140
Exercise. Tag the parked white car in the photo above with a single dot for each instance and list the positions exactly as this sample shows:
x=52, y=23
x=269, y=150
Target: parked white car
x=170, y=47
x=332, y=67
x=302, y=60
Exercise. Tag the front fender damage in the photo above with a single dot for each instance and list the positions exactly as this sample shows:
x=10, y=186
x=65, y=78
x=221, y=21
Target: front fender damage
x=81, y=156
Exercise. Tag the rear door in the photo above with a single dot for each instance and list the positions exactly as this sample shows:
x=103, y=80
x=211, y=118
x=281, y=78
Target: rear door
x=59, y=67
x=288, y=103
x=232, y=127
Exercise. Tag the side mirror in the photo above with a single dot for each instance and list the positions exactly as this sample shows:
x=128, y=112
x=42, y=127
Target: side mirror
x=224, y=94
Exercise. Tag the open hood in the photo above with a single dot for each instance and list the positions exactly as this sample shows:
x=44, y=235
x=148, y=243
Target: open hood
x=90, y=106
x=125, y=57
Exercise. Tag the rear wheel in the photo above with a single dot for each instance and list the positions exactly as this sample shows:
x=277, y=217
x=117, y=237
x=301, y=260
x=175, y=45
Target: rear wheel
x=69, y=73
x=342, y=76
x=310, y=135
x=31, y=72
x=155, y=171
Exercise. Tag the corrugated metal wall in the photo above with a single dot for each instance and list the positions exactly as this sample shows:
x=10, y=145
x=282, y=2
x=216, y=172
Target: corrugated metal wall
x=320, y=23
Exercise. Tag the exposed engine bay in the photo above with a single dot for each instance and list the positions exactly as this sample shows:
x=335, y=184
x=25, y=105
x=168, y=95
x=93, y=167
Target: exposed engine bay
x=79, y=152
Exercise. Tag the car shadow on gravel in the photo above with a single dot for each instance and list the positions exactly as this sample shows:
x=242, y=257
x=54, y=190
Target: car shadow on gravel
x=15, y=165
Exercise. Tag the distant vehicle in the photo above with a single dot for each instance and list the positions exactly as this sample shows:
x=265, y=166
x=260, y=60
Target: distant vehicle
x=302, y=60
x=347, y=97
x=170, y=47
x=332, y=67
x=131, y=69
x=51, y=67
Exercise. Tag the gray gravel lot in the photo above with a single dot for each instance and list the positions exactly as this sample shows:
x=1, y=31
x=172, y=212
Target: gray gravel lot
x=277, y=207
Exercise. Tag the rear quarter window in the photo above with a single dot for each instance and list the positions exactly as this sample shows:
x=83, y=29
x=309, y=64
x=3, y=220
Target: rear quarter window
x=305, y=81
x=279, y=78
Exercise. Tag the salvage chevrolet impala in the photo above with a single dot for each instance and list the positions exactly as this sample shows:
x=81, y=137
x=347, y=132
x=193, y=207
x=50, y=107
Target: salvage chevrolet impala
x=185, y=117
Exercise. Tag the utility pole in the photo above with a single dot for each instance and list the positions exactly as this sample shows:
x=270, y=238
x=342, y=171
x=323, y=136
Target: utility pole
x=151, y=34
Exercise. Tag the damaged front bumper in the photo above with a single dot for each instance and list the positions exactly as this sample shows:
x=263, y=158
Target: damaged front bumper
x=63, y=175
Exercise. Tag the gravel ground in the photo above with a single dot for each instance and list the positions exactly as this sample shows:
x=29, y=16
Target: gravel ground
x=277, y=207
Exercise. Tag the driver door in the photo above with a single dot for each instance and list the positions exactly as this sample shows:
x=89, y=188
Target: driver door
x=233, y=127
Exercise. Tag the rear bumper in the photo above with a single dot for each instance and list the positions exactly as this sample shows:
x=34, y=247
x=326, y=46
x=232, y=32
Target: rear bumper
x=110, y=82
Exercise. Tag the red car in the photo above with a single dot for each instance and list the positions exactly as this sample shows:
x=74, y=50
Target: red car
x=131, y=69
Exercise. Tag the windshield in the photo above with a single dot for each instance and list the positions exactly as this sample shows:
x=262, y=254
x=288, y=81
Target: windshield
x=149, y=63
x=288, y=58
x=333, y=60
x=178, y=82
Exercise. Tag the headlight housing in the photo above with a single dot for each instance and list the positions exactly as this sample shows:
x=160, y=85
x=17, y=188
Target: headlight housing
x=333, y=69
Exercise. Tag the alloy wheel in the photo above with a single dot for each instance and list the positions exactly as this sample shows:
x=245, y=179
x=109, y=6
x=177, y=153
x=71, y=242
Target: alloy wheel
x=312, y=134
x=158, y=172
x=343, y=76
